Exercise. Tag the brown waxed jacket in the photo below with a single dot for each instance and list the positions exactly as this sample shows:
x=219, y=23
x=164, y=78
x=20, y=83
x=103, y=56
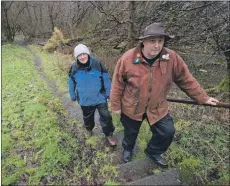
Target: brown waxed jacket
x=139, y=88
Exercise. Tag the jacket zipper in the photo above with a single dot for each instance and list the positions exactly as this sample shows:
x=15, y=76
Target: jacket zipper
x=150, y=87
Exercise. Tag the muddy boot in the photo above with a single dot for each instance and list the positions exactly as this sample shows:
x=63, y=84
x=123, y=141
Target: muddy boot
x=111, y=140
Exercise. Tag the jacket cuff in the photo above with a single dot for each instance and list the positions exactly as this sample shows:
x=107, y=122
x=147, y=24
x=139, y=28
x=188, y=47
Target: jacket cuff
x=73, y=98
x=202, y=101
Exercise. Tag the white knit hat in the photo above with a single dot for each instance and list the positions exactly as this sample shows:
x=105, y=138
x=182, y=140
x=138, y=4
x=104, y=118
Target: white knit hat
x=80, y=49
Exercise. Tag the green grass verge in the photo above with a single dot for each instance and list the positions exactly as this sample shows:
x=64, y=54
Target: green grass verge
x=49, y=152
x=30, y=127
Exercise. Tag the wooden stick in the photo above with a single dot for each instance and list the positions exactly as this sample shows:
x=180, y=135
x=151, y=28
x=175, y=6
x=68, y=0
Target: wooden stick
x=219, y=104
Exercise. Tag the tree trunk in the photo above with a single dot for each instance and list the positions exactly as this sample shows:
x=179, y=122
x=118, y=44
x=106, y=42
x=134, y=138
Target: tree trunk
x=130, y=24
x=227, y=56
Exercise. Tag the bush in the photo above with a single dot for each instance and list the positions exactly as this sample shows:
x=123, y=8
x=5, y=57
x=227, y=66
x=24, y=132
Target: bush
x=187, y=169
x=55, y=40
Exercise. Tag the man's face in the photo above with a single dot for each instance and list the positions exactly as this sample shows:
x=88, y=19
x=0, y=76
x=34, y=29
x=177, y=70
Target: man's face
x=83, y=58
x=153, y=45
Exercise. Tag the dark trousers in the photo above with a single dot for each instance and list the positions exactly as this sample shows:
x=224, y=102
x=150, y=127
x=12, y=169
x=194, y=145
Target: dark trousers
x=105, y=118
x=162, y=134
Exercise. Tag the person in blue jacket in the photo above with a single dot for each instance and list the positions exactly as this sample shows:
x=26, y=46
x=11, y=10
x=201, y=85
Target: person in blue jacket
x=89, y=83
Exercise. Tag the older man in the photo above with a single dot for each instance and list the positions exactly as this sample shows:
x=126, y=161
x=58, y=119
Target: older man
x=141, y=81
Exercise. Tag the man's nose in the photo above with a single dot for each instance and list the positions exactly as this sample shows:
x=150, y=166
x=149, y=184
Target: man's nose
x=156, y=44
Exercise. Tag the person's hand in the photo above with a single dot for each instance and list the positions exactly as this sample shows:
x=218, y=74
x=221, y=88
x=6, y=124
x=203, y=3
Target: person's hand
x=211, y=101
x=117, y=112
x=73, y=99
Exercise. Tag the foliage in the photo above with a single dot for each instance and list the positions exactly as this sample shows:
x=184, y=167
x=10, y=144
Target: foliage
x=188, y=167
x=224, y=85
x=201, y=142
x=157, y=171
x=111, y=182
x=55, y=40
x=93, y=141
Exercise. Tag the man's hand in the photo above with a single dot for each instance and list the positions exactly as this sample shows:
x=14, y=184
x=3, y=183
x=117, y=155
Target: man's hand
x=117, y=112
x=211, y=101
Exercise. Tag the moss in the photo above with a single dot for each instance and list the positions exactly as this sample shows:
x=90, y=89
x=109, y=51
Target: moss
x=188, y=168
x=175, y=155
x=157, y=171
x=111, y=182
x=108, y=171
x=182, y=125
x=224, y=85
x=93, y=141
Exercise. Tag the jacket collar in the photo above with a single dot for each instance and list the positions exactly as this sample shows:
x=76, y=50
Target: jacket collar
x=89, y=63
x=138, y=58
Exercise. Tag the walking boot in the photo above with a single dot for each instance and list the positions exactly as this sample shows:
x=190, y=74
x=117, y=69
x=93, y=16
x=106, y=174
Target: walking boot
x=111, y=140
x=127, y=155
x=157, y=159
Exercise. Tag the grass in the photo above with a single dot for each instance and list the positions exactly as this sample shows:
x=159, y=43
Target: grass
x=56, y=66
x=30, y=128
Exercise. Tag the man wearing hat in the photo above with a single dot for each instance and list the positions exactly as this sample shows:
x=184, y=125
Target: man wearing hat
x=89, y=83
x=141, y=81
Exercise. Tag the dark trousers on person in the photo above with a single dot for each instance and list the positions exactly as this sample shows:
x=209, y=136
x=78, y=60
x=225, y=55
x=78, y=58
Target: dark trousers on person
x=105, y=118
x=162, y=134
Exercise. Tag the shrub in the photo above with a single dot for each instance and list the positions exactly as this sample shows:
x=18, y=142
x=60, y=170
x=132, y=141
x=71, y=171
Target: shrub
x=55, y=40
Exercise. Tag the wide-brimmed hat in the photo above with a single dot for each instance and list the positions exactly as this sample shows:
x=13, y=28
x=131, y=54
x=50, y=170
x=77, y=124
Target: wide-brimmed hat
x=155, y=29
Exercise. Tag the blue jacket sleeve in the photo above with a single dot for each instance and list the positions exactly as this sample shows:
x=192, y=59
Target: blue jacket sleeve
x=107, y=81
x=72, y=86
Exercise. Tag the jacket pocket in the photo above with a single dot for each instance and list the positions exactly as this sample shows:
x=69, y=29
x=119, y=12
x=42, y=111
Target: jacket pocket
x=162, y=107
x=131, y=91
x=127, y=105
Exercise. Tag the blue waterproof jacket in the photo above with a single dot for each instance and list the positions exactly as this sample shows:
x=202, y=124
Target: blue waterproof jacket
x=90, y=85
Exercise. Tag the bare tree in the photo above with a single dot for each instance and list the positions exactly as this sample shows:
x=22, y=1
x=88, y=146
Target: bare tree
x=10, y=15
x=73, y=15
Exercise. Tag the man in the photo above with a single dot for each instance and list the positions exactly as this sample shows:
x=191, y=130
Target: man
x=141, y=81
x=89, y=84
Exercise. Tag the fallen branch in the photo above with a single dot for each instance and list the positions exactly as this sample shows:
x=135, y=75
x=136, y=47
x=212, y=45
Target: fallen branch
x=219, y=104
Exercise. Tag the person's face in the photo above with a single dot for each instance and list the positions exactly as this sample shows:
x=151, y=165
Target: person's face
x=153, y=45
x=83, y=58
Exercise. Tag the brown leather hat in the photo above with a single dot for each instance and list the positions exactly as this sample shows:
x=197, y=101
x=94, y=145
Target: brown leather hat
x=155, y=29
